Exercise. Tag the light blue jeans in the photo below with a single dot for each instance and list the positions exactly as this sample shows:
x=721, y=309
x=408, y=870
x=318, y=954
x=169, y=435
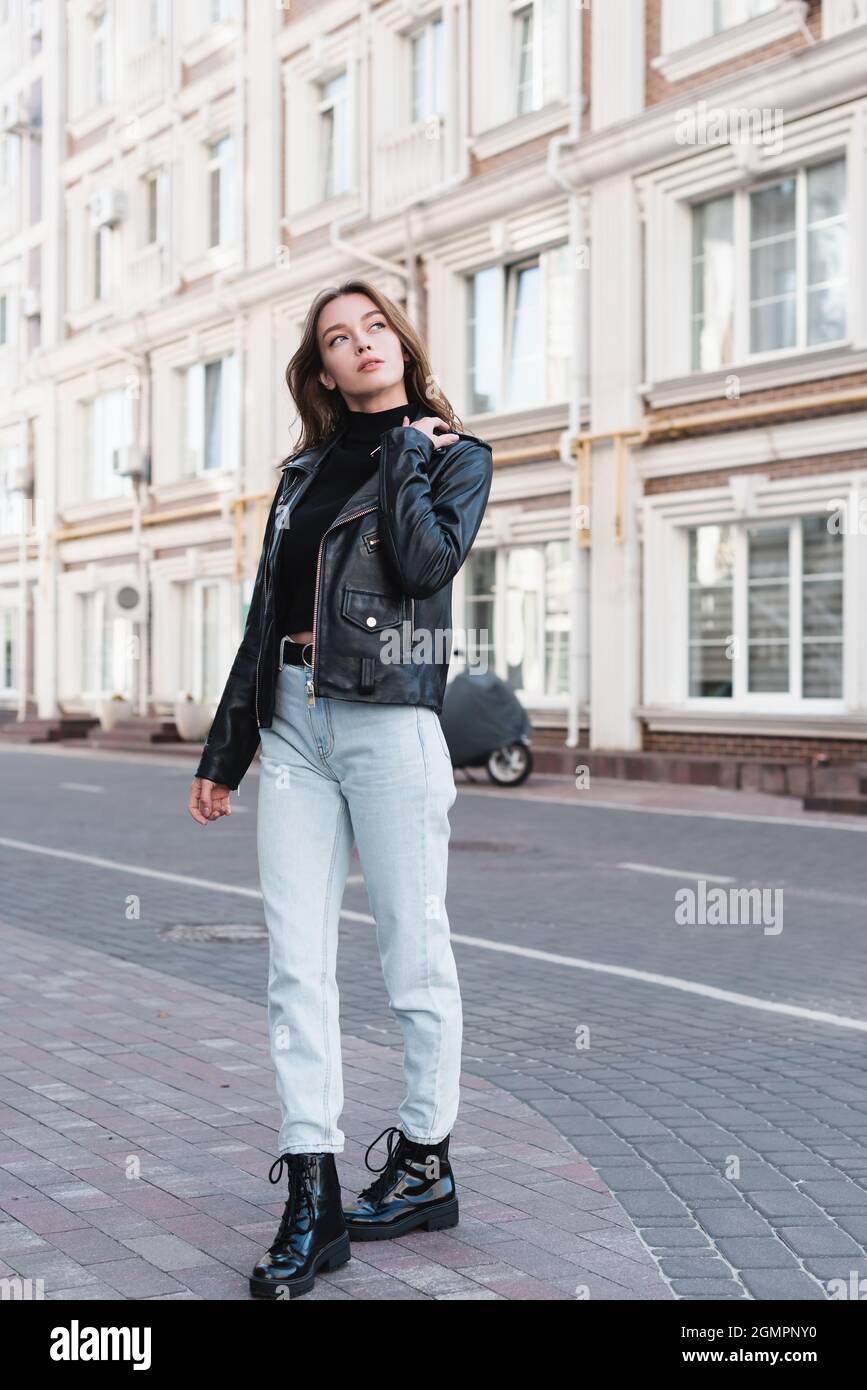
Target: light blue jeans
x=382, y=774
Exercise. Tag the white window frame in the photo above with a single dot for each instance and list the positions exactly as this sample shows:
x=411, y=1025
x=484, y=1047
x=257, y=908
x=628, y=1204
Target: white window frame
x=194, y=441
x=546, y=261
x=334, y=110
x=101, y=59
x=689, y=45
x=434, y=104
x=668, y=194
x=9, y=613
x=741, y=329
x=100, y=446
x=518, y=10
x=768, y=701
x=221, y=164
x=501, y=552
x=91, y=606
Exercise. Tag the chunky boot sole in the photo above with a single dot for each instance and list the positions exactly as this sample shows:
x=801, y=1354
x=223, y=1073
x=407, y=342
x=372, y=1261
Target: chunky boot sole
x=331, y=1256
x=426, y=1219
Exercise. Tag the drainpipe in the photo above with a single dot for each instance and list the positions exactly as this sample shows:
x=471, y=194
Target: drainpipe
x=404, y=270
x=579, y=289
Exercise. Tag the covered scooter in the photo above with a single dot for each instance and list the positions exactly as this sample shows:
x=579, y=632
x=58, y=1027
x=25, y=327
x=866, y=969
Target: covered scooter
x=486, y=725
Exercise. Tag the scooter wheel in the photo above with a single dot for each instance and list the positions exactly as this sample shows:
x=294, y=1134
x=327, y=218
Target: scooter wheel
x=510, y=766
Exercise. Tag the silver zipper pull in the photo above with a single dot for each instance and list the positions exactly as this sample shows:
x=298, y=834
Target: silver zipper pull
x=311, y=698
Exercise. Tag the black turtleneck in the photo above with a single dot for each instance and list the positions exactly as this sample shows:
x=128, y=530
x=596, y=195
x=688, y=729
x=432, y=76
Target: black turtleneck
x=349, y=465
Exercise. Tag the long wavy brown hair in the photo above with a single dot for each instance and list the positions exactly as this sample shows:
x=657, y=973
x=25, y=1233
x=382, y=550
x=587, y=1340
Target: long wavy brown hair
x=323, y=412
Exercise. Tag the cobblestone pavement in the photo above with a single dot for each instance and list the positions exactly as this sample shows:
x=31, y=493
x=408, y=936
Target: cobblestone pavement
x=718, y=1117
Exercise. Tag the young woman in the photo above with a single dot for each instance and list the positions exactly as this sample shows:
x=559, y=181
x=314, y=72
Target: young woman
x=341, y=675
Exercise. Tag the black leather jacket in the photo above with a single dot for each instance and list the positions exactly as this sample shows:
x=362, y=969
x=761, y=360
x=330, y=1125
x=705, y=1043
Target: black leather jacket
x=385, y=566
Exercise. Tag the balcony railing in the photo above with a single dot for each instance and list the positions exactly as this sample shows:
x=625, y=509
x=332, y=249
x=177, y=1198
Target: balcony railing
x=409, y=162
x=147, y=275
x=146, y=74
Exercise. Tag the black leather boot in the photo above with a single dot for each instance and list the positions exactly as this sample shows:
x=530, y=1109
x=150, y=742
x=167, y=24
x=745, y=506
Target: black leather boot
x=415, y=1190
x=312, y=1234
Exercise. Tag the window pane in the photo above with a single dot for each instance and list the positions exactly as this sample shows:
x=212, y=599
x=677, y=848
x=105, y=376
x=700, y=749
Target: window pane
x=823, y=549
x=823, y=670
x=480, y=608
x=711, y=558
x=485, y=327
x=772, y=211
x=826, y=191
x=526, y=365
x=768, y=609
x=557, y=575
x=213, y=414
x=822, y=593
x=713, y=283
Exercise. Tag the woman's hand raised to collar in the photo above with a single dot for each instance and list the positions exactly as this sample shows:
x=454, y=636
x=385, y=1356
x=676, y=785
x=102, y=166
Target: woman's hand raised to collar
x=428, y=424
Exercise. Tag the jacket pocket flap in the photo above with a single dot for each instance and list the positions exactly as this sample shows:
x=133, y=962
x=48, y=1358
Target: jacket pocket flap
x=370, y=610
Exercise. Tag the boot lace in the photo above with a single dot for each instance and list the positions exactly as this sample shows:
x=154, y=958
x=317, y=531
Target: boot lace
x=302, y=1168
x=396, y=1142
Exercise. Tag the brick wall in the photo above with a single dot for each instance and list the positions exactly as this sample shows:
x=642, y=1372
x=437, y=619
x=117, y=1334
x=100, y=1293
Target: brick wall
x=791, y=468
x=753, y=746
x=658, y=89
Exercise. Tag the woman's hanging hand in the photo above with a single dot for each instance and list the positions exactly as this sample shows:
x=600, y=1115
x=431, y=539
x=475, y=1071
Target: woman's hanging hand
x=208, y=801
x=427, y=424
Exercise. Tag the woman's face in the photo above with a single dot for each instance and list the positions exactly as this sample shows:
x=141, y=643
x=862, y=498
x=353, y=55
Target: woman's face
x=351, y=332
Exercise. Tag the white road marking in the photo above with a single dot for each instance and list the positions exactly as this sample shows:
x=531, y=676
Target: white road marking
x=80, y=787
x=169, y=762
x=804, y=823
x=676, y=873
x=726, y=996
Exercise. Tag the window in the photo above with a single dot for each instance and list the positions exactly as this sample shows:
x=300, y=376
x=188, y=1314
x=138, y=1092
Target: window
x=4, y=319
x=221, y=192
x=108, y=432
x=157, y=20
x=519, y=326
x=728, y=13
x=713, y=284
x=211, y=419
x=101, y=245
x=8, y=649
x=201, y=637
x=517, y=615
x=155, y=207
x=782, y=583
x=101, y=59
x=428, y=91
x=104, y=667
x=795, y=244
x=480, y=590
x=526, y=59
x=221, y=11
x=334, y=113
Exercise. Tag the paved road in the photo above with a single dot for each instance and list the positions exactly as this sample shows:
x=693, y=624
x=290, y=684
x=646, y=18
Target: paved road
x=718, y=1087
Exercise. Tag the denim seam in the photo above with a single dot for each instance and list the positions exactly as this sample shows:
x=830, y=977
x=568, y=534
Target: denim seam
x=325, y=1107
x=425, y=847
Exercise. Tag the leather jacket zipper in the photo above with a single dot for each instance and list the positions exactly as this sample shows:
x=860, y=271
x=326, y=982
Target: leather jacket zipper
x=309, y=686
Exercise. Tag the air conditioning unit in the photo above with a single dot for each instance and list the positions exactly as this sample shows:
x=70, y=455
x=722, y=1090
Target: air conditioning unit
x=31, y=305
x=107, y=207
x=126, y=461
x=14, y=113
x=125, y=598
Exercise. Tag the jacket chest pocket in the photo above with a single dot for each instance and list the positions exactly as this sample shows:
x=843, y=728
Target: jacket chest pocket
x=373, y=611
x=371, y=541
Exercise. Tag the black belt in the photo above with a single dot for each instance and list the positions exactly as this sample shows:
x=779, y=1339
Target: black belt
x=292, y=653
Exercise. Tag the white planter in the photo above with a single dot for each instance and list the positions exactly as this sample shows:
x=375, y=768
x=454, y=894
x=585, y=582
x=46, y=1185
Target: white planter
x=112, y=712
x=193, y=719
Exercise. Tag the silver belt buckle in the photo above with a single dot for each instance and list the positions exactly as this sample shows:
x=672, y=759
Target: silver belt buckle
x=283, y=641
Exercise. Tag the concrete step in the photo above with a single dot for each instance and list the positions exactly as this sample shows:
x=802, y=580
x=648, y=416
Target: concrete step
x=46, y=730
